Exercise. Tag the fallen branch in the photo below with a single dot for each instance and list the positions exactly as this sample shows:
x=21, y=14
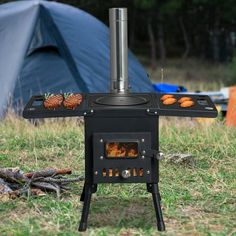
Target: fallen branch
x=51, y=180
x=15, y=183
x=12, y=175
x=48, y=172
x=4, y=188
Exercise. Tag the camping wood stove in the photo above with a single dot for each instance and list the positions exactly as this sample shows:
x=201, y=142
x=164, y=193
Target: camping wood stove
x=121, y=128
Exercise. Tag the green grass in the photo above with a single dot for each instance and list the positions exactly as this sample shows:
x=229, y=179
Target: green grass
x=197, y=199
x=192, y=73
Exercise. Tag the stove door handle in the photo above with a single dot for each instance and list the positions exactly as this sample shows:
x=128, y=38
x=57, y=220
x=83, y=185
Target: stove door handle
x=153, y=154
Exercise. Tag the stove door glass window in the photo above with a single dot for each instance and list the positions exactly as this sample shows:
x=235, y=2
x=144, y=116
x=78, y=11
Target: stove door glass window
x=121, y=149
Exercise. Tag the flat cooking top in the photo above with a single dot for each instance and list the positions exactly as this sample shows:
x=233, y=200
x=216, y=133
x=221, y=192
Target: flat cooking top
x=112, y=101
x=133, y=104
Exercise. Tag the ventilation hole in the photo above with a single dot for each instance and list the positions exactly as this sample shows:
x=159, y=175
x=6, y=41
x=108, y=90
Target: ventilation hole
x=141, y=172
x=134, y=172
x=104, y=172
x=110, y=172
x=129, y=170
x=117, y=174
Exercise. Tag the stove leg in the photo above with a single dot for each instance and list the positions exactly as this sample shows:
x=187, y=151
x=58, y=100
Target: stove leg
x=153, y=188
x=87, y=194
x=82, y=194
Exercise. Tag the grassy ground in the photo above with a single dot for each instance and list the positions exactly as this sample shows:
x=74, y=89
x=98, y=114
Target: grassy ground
x=197, y=199
x=194, y=74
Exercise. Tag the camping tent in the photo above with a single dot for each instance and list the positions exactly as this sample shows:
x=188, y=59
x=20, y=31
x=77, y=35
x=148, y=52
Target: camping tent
x=53, y=47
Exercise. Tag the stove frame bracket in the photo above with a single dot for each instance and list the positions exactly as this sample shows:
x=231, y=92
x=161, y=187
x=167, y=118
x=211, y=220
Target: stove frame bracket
x=152, y=112
x=89, y=113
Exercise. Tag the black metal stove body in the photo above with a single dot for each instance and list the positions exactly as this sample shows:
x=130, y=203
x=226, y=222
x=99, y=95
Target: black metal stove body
x=128, y=127
x=121, y=128
x=140, y=132
x=121, y=139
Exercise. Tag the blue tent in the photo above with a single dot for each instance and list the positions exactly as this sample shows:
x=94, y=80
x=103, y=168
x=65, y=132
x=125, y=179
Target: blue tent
x=53, y=47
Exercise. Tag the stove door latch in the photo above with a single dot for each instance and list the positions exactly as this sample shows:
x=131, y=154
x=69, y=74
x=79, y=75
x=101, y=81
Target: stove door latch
x=154, y=154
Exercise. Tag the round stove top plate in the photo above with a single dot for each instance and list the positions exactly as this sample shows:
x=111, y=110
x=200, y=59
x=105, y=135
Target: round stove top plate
x=121, y=100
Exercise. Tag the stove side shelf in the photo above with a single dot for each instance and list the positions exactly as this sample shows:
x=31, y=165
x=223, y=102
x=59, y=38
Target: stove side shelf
x=203, y=107
x=35, y=109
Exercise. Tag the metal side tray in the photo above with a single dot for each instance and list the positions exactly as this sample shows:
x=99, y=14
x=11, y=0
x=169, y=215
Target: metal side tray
x=201, y=105
x=35, y=109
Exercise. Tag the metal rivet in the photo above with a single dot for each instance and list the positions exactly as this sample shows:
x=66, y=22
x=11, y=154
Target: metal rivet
x=101, y=157
x=95, y=172
x=101, y=140
x=161, y=155
x=143, y=151
x=148, y=110
x=143, y=140
x=85, y=113
x=91, y=111
x=142, y=157
x=155, y=112
x=148, y=172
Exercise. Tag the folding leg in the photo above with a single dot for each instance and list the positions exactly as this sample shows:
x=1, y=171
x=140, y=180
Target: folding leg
x=86, y=198
x=153, y=188
x=82, y=194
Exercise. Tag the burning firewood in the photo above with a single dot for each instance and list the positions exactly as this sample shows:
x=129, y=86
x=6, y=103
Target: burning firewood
x=15, y=183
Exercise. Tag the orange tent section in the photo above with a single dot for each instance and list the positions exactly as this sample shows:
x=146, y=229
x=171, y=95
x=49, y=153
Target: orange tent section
x=231, y=109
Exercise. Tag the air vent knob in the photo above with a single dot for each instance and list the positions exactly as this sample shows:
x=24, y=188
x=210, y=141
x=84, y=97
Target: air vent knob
x=125, y=174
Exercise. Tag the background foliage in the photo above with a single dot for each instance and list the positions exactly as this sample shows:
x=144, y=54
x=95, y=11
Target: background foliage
x=163, y=29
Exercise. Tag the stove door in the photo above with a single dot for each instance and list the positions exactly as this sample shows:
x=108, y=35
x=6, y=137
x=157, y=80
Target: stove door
x=122, y=157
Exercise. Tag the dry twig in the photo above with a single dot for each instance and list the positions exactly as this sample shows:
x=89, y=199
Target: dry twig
x=15, y=183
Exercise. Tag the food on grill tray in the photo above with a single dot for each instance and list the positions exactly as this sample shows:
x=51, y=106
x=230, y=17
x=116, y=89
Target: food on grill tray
x=72, y=100
x=169, y=101
x=183, y=99
x=187, y=104
x=69, y=101
x=52, y=101
x=164, y=97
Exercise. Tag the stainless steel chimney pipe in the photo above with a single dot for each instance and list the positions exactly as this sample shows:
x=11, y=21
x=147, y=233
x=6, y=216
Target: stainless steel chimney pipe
x=119, y=50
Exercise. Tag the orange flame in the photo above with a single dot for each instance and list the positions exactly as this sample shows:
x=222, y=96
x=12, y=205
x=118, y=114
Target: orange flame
x=121, y=149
